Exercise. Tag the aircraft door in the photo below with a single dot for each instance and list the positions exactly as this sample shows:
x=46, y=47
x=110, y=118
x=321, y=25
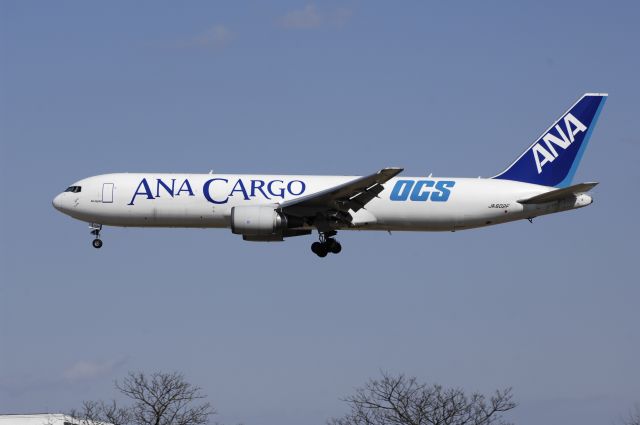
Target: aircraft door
x=107, y=193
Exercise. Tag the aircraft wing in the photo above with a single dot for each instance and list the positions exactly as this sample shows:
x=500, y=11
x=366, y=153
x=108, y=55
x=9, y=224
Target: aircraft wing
x=558, y=194
x=354, y=195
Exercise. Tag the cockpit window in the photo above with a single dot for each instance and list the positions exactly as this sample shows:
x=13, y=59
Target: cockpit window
x=74, y=189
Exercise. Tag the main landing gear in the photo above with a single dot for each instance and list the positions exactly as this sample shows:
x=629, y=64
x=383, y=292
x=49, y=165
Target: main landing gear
x=95, y=231
x=327, y=244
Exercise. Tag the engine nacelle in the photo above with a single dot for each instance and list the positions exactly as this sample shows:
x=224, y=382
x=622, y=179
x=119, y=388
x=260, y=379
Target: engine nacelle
x=259, y=220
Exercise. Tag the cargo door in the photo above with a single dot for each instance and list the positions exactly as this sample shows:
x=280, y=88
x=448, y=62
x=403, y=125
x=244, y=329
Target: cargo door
x=107, y=193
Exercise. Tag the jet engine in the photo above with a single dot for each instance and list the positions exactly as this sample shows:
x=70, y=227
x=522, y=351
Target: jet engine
x=259, y=220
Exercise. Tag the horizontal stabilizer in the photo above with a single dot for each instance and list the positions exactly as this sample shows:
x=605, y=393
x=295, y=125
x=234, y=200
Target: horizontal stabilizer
x=558, y=194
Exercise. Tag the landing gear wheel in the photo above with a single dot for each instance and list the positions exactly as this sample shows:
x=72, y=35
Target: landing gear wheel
x=95, y=231
x=319, y=249
x=333, y=246
x=327, y=244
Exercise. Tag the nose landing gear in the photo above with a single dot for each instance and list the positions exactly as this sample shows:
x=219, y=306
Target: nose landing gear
x=327, y=244
x=95, y=231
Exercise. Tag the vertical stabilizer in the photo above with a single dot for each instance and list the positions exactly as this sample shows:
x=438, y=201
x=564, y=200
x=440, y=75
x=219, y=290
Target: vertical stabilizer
x=553, y=159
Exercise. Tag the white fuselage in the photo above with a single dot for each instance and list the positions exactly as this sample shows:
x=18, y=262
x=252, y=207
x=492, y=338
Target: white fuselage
x=206, y=200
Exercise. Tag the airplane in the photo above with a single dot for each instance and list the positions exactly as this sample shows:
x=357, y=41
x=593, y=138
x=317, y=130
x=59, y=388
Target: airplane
x=267, y=208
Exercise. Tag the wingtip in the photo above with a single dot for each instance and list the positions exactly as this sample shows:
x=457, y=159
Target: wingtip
x=393, y=171
x=389, y=173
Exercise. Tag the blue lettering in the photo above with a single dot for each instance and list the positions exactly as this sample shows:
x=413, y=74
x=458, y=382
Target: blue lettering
x=418, y=193
x=169, y=190
x=280, y=192
x=401, y=190
x=303, y=187
x=147, y=191
x=442, y=186
x=207, y=194
x=242, y=189
x=258, y=185
x=185, y=187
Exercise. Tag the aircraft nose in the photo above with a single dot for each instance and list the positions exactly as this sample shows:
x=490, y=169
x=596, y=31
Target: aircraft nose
x=57, y=202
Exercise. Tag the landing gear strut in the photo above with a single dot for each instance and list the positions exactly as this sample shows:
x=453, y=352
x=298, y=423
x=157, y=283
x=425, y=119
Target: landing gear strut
x=95, y=231
x=327, y=244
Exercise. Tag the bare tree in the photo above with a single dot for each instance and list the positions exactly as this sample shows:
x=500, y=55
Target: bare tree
x=165, y=399
x=634, y=416
x=399, y=400
x=100, y=413
x=156, y=399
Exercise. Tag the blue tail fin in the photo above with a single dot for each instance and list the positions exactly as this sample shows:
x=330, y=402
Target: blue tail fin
x=552, y=160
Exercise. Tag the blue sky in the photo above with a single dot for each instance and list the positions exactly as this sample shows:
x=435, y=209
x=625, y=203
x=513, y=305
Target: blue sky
x=273, y=334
